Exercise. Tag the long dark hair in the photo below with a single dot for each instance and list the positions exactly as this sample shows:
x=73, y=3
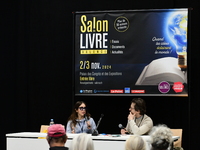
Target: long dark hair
x=74, y=114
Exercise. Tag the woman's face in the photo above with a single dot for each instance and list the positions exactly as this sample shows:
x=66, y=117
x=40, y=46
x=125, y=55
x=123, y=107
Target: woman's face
x=81, y=111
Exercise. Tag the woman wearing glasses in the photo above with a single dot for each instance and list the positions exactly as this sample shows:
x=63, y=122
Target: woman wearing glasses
x=80, y=120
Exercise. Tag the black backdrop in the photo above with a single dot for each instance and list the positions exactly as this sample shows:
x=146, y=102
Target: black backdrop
x=36, y=70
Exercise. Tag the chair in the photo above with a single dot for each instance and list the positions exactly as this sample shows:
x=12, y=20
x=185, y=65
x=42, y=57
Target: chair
x=43, y=129
x=177, y=132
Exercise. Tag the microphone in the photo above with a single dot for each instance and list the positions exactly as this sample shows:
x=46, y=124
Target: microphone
x=121, y=126
x=86, y=119
x=95, y=132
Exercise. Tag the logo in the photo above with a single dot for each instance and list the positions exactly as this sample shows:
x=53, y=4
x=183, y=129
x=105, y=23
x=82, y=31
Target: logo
x=85, y=91
x=126, y=90
x=178, y=87
x=164, y=87
x=137, y=91
x=121, y=24
x=116, y=91
x=101, y=91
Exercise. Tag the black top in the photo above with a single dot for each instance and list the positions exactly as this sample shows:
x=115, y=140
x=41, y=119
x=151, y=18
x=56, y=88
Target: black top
x=58, y=148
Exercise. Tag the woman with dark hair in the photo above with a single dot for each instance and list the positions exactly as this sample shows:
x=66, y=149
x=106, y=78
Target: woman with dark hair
x=80, y=120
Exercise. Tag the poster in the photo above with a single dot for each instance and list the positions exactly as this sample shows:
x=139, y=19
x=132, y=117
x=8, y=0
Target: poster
x=131, y=52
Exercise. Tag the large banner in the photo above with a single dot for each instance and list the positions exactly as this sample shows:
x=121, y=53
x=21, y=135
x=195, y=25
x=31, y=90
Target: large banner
x=131, y=52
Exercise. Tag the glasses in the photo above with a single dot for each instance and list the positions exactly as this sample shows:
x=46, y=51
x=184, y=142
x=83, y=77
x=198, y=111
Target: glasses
x=82, y=108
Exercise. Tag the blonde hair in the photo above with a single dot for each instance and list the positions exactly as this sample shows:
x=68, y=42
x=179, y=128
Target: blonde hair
x=160, y=137
x=135, y=142
x=82, y=142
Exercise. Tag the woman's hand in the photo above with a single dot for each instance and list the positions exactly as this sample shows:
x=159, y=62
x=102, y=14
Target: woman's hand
x=73, y=130
x=88, y=125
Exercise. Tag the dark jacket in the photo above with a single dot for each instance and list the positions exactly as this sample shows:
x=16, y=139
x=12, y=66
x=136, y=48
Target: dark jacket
x=58, y=148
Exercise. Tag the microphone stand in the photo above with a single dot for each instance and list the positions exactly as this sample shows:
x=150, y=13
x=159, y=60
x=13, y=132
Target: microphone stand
x=95, y=132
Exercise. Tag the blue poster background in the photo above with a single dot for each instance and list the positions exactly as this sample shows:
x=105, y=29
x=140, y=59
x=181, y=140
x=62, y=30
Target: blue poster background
x=112, y=49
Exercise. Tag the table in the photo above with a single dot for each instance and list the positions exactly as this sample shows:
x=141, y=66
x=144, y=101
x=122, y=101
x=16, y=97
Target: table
x=33, y=141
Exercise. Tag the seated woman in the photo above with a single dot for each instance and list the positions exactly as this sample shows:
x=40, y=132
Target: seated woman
x=80, y=120
x=82, y=142
x=135, y=142
x=161, y=138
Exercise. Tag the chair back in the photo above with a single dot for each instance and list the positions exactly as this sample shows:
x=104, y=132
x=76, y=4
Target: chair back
x=43, y=129
x=177, y=132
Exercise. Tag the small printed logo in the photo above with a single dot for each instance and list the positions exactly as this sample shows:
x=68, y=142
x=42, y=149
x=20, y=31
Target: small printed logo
x=121, y=24
x=178, y=87
x=164, y=87
x=116, y=91
x=101, y=91
x=137, y=91
x=127, y=90
x=85, y=91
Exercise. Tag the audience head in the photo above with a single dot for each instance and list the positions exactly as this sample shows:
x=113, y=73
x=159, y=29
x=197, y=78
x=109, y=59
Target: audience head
x=135, y=142
x=56, y=135
x=161, y=137
x=139, y=105
x=82, y=142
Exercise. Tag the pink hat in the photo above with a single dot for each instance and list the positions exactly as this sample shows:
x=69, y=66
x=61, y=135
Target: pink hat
x=56, y=130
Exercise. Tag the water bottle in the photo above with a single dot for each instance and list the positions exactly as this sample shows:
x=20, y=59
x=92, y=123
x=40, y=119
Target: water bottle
x=51, y=122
